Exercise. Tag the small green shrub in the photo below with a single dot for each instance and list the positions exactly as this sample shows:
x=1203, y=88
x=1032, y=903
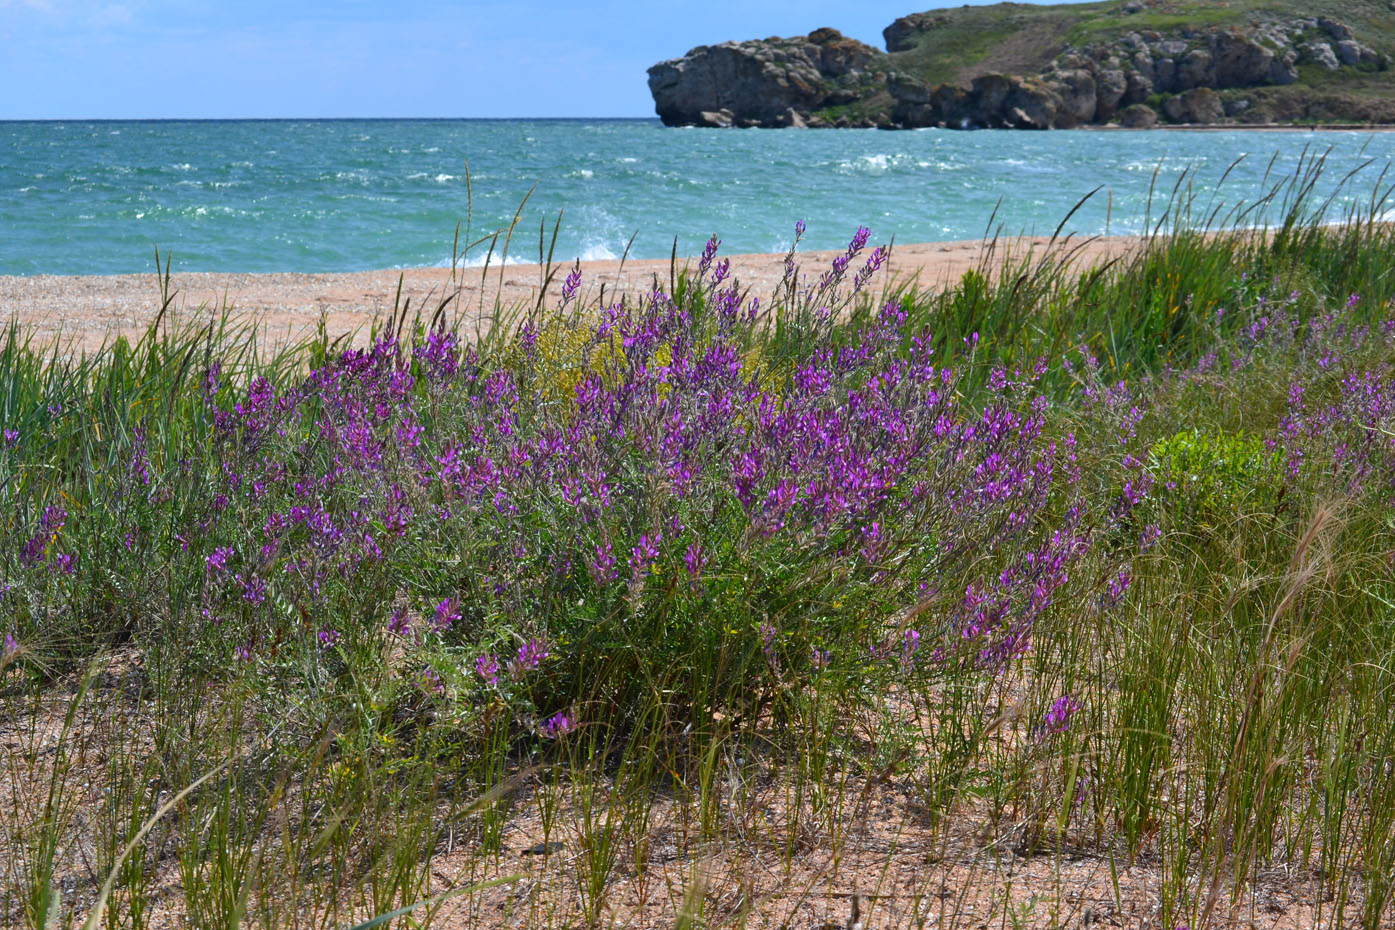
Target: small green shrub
x=1214, y=475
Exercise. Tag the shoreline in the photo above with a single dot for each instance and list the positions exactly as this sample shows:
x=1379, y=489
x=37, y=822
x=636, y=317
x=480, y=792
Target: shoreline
x=82, y=312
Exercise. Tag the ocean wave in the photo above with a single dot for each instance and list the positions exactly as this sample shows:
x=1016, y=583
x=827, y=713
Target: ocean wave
x=477, y=261
x=597, y=252
x=878, y=164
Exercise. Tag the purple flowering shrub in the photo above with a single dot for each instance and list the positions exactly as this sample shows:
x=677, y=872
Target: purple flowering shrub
x=684, y=499
x=682, y=495
x=1132, y=596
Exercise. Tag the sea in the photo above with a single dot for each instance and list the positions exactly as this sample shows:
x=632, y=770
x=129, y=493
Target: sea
x=346, y=195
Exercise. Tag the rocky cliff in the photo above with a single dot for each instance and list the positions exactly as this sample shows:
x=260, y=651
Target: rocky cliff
x=770, y=82
x=1255, y=66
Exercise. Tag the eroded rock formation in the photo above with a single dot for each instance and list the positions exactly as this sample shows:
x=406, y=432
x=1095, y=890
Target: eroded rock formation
x=768, y=82
x=820, y=78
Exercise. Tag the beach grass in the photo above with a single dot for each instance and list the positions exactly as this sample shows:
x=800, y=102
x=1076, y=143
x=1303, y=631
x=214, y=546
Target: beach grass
x=1059, y=595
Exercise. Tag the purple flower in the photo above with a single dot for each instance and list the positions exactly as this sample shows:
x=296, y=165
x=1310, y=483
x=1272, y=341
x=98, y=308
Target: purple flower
x=602, y=565
x=253, y=589
x=1057, y=719
x=397, y=624
x=211, y=380
x=447, y=612
x=559, y=724
x=487, y=667
x=217, y=561
x=328, y=638
x=573, y=282
x=872, y=541
x=1118, y=585
x=720, y=272
x=709, y=252
x=431, y=682
x=243, y=652
x=440, y=354
x=139, y=466
x=695, y=560
x=859, y=240
x=768, y=635
x=11, y=436
x=54, y=519
x=529, y=655
x=645, y=553
x=10, y=647
x=909, y=645
x=64, y=563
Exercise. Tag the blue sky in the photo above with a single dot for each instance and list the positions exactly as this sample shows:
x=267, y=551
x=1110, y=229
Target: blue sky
x=120, y=59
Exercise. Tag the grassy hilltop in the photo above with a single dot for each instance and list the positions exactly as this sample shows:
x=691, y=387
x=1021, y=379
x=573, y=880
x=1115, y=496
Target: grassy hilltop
x=957, y=45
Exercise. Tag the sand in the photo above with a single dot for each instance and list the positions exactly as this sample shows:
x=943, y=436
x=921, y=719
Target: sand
x=82, y=312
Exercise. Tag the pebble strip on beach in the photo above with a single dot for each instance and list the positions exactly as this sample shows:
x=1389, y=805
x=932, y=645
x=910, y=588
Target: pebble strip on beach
x=83, y=312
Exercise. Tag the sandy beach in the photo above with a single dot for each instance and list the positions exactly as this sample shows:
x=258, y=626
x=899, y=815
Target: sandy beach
x=82, y=312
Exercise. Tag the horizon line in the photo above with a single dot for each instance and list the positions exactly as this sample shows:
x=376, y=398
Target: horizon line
x=310, y=119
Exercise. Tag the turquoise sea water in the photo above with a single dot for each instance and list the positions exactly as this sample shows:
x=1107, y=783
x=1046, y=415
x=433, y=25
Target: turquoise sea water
x=337, y=195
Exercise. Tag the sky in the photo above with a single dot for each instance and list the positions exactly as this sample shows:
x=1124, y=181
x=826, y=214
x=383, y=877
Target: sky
x=219, y=59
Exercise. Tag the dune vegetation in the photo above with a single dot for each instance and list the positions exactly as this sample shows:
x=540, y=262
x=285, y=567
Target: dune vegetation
x=1062, y=595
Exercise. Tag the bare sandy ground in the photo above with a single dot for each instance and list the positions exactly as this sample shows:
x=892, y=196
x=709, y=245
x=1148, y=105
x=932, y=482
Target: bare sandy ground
x=82, y=312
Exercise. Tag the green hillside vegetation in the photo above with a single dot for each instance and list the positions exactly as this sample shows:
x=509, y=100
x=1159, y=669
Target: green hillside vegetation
x=1021, y=38
x=960, y=44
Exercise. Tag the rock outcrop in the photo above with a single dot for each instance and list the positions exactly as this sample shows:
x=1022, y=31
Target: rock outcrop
x=770, y=82
x=825, y=78
x=1198, y=105
x=904, y=34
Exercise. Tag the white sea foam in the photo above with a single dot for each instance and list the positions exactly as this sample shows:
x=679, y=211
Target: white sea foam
x=597, y=252
x=585, y=174
x=477, y=261
x=878, y=164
